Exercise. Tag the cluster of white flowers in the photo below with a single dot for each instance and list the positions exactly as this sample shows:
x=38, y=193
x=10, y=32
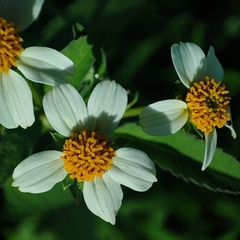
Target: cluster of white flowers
x=87, y=155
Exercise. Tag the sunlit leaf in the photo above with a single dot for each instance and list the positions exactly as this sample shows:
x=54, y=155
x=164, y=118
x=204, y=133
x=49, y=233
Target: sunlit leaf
x=182, y=154
x=83, y=52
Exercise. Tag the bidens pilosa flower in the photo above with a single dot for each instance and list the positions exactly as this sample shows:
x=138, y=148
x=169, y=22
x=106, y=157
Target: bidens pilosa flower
x=38, y=64
x=87, y=154
x=205, y=105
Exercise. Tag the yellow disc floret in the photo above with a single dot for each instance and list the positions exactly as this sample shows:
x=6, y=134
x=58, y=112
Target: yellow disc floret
x=207, y=103
x=10, y=45
x=87, y=155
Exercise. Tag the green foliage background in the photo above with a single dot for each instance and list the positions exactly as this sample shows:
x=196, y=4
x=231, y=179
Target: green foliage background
x=136, y=36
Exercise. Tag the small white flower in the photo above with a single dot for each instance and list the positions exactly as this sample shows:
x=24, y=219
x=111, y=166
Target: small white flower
x=87, y=154
x=38, y=64
x=205, y=103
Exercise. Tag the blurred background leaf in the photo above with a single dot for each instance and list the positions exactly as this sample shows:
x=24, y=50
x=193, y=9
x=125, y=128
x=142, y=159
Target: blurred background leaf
x=15, y=145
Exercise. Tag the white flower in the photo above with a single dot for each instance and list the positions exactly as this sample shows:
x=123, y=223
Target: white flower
x=87, y=154
x=38, y=64
x=205, y=104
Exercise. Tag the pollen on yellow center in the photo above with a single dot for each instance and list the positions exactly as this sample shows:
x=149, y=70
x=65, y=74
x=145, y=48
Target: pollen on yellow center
x=207, y=103
x=87, y=155
x=10, y=45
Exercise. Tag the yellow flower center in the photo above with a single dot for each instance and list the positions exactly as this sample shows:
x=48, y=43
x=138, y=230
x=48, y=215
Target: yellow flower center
x=87, y=155
x=208, y=105
x=10, y=45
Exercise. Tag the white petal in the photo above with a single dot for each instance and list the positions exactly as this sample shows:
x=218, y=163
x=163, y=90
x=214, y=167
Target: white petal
x=164, y=117
x=233, y=133
x=103, y=197
x=106, y=106
x=39, y=172
x=133, y=168
x=45, y=65
x=230, y=125
x=15, y=101
x=211, y=144
x=65, y=109
x=214, y=67
x=21, y=12
x=190, y=62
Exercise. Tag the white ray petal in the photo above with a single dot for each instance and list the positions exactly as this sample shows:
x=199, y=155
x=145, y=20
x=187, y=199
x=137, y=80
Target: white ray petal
x=15, y=101
x=39, y=172
x=164, y=117
x=190, y=62
x=133, y=168
x=106, y=106
x=211, y=144
x=214, y=67
x=45, y=65
x=65, y=109
x=22, y=13
x=229, y=124
x=103, y=197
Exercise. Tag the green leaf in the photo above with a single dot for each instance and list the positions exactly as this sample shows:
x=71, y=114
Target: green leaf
x=87, y=84
x=132, y=112
x=80, y=185
x=133, y=101
x=101, y=66
x=182, y=154
x=57, y=143
x=78, y=30
x=57, y=136
x=15, y=146
x=120, y=142
x=83, y=53
x=67, y=182
x=76, y=190
x=20, y=205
